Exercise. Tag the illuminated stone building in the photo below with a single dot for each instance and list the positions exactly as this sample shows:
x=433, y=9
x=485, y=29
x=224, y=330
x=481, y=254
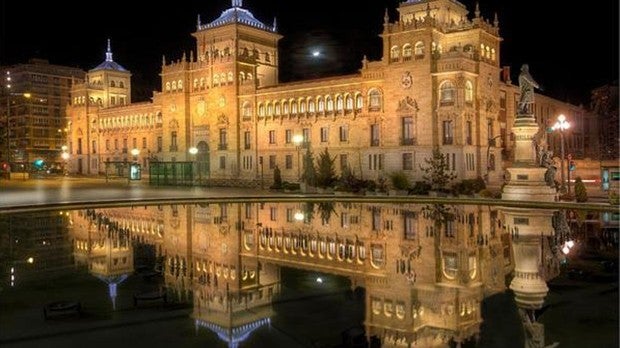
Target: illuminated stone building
x=37, y=123
x=437, y=85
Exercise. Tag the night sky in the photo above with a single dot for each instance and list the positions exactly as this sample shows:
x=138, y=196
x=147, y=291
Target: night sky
x=571, y=47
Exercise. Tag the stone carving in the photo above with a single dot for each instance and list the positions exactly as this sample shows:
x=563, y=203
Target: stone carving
x=173, y=124
x=407, y=104
x=222, y=119
x=527, y=85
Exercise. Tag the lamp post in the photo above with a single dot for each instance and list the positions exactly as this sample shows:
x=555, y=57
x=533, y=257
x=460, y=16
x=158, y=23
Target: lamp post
x=562, y=125
x=297, y=140
x=193, y=151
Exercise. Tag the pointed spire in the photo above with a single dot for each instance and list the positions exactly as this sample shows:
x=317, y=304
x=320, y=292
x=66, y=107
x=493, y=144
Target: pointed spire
x=191, y=55
x=163, y=60
x=184, y=58
x=386, y=17
x=198, y=24
x=275, y=24
x=477, y=12
x=237, y=3
x=496, y=21
x=108, y=53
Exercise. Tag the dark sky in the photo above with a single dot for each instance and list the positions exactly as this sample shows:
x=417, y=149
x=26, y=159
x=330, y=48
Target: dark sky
x=571, y=47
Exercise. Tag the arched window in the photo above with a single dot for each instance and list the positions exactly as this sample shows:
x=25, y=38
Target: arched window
x=339, y=103
x=359, y=101
x=418, y=50
x=216, y=79
x=330, y=103
x=349, y=103
x=285, y=107
x=278, y=109
x=294, y=107
x=394, y=54
x=174, y=85
x=223, y=78
x=311, y=106
x=180, y=85
x=302, y=106
x=195, y=84
x=202, y=82
x=269, y=109
x=493, y=54
x=121, y=84
x=481, y=51
x=407, y=52
x=230, y=76
x=261, y=110
x=249, y=76
x=488, y=52
x=167, y=86
x=374, y=99
x=112, y=83
x=247, y=109
x=469, y=92
x=241, y=76
x=321, y=103
x=446, y=93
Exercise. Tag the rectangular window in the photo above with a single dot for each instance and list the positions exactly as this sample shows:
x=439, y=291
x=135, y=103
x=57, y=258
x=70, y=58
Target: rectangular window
x=288, y=136
x=410, y=226
x=407, y=131
x=160, y=144
x=448, y=135
x=94, y=146
x=272, y=137
x=468, y=139
x=306, y=135
x=374, y=135
x=375, y=162
x=107, y=144
x=79, y=149
x=134, y=143
x=115, y=144
x=324, y=134
x=222, y=162
x=273, y=213
x=408, y=161
x=272, y=161
x=144, y=143
x=376, y=219
x=173, y=140
x=344, y=161
x=289, y=162
x=344, y=133
x=223, y=139
x=247, y=140
x=125, y=145
x=289, y=215
x=490, y=128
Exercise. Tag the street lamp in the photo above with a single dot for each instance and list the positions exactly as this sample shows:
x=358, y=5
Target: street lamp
x=65, y=157
x=562, y=125
x=193, y=151
x=297, y=140
x=135, y=153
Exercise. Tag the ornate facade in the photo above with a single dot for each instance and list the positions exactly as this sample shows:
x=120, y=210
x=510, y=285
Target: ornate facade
x=437, y=84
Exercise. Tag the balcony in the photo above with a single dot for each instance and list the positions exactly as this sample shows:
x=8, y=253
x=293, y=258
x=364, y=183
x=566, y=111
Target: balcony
x=448, y=141
x=222, y=146
x=374, y=142
x=174, y=148
x=408, y=141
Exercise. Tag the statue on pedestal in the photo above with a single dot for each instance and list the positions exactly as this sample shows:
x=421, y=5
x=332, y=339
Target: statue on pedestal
x=527, y=85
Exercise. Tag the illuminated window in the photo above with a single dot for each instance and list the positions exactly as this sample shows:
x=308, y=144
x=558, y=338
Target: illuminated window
x=394, y=54
x=469, y=92
x=407, y=52
x=374, y=100
x=447, y=93
x=418, y=50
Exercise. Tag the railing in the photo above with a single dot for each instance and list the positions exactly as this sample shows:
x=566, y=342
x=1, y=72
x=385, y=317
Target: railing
x=408, y=141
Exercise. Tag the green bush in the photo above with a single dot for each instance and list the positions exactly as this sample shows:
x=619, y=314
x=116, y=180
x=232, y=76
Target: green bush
x=469, y=186
x=581, y=194
x=420, y=188
x=399, y=180
x=277, y=179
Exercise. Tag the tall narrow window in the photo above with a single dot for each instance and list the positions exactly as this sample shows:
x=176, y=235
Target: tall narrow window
x=247, y=140
x=173, y=141
x=448, y=135
x=407, y=131
x=374, y=135
x=469, y=92
x=288, y=136
x=490, y=128
x=344, y=133
x=374, y=100
x=223, y=145
x=272, y=137
x=324, y=134
x=468, y=139
x=446, y=93
x=407, y=161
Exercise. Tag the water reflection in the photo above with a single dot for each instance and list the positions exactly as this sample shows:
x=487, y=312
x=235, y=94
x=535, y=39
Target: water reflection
x=425, y=269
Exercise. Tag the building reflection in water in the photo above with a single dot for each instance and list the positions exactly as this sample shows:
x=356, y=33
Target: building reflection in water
x=425, y=268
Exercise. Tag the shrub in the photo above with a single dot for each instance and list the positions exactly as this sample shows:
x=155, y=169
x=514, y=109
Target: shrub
x=420, y=188
x=277, y=179
x=581, y=194
x=399, y=180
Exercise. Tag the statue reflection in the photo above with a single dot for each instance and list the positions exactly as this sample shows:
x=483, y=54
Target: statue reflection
x=425, y=268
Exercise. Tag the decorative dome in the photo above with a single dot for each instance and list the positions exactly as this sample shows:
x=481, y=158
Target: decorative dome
x=239, y=15
x=109, y=63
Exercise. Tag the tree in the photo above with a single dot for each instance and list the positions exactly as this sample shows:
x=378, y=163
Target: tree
x=277, y=179
x=437, y=171
x=309, y=175
x=326, y=175
x=581, y=194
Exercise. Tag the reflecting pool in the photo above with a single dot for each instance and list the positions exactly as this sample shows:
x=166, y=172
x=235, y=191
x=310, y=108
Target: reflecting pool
x=301, y=274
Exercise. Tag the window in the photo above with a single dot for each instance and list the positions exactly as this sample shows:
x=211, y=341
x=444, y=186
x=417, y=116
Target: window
x=247, y=140
x=223, y=139
x=394, y=54
x=321, y=105
x=107, y=144
x=272, y=137
x=94, y=146
x=339, y=103
x=469, y=92
x=375, y=162
x=376, y=219
x=490, y=128
x=324, y=134
x=502, y=99
x=134, y=143
x=407, y=131
x=344, y=133
x=125, y=145
x=306, y=135
x=448, y=137
x=112, y=101
x=246, y=110
x=344, y=161
x=374, y=135
x=272, y=161
x=222, y=162
x=359, y=102
x=419, y=50
x=330, y=103
x=468, y=139
x=115, y=144
x=407, y=161
x=407, y=52
x=144, y=143
x=277, y=109
x=447, y=93
x=261, y=110
x=311, y=106
x=288, y=136
x=288, y=161
x=173, y=141
x=410, y=226
x=273, y=213
x=375, y=100
x=160, y=144
x=349, y=103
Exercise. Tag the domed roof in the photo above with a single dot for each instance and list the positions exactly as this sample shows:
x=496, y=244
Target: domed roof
x=109, y=63
x=236, y=14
